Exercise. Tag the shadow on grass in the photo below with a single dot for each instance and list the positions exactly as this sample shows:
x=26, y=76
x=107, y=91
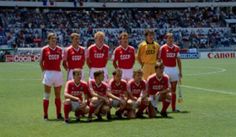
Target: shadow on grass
x=114, y=118
x=181, y=112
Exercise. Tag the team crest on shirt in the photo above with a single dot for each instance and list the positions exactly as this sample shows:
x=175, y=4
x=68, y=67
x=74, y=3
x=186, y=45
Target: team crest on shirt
x=153, y=47
x=81, y=88
x=72, y=88
x=103, y=51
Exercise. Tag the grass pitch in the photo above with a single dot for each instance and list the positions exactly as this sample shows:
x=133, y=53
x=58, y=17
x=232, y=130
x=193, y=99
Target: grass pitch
x=209, y=90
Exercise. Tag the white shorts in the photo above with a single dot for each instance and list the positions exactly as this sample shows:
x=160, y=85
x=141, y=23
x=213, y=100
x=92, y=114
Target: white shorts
x=154, y=100
x=127, y=74
x=53, y=78
x=92, y=70
x=70, y=74
x=75, y=105
x=173, y=73
x=115, y=103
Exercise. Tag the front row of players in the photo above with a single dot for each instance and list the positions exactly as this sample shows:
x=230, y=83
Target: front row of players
x=131, y=100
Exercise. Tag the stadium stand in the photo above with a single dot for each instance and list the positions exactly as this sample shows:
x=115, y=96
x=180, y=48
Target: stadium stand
x=193, y=27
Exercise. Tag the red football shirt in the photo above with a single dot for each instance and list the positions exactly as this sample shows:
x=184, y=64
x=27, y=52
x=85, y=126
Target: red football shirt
x=76, y=90
x=74, y=57
x=155, y=84
x=168, y=54
x=100, y=89
x=125, y=57
x=51, y=58
x=118, y=89
x=136, y=89
x=98, y=56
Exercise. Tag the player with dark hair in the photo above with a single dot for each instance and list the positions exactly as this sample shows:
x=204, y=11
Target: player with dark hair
x=169, y=54
x=75, y=92
x=50, y=60
x=159, y=90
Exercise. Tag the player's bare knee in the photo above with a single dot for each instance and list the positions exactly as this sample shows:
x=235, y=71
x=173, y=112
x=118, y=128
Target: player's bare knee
x=46, y=96
x=67, y=101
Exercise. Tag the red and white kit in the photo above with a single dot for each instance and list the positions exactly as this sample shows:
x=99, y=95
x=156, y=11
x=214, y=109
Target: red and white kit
x=51, y=58
x=98, y=58
x=155, y=85
x=75, y=58
x=126, y=60
x=169, y=54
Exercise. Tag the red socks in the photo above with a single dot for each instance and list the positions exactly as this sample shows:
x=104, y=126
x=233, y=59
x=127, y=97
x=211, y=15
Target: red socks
x=173, y=102
x=45, y=107
x=67, y=109
x=58, y=105
x=142, y=107
x=165, y=105
x=91, y=109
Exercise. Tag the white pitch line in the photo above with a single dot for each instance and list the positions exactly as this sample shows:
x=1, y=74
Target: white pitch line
x=219, y=70
x=209, y=90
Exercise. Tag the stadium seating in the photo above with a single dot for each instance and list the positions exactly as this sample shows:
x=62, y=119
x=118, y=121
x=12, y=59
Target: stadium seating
x=193, y=27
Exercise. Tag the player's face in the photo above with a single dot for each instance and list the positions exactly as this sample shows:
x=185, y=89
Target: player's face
x=75, y=40
x=117, y=77
x=150, y=38
x=170, y=40
x=53, y=41
x=77, y=76
x=99, y=40
x=160, y=70
x=124, y=40
x=101, y=77
x=138, y=77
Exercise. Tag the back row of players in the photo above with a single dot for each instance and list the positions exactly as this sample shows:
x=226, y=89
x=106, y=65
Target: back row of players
x=127, y=91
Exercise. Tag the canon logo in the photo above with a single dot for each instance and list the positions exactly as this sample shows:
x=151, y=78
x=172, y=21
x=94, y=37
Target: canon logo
x=221, y=55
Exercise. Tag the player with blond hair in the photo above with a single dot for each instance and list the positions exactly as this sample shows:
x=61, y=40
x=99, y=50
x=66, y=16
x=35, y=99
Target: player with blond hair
x=138, y=93
x=97, y=55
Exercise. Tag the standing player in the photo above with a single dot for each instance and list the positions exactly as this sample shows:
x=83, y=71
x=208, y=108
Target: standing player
x=100, y=96
x=118, y=88
x=169, y=54
x=50, y=60
x=74, y=91
x=148, y=54
x=74, y=56
x=125, y=56
x=97, y=55
x=159, y=90
x=138, y=92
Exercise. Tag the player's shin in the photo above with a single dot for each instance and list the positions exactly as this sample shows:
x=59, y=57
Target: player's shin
x=58, y=106
x=165, y=105
x=46, y=104
x=67, y=109
x=173, y=101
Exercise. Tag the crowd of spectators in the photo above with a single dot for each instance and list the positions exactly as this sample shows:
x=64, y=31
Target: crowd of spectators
x=192, y=27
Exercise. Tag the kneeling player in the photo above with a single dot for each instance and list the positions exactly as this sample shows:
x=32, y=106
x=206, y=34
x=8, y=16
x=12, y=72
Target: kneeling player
x=74, y=90
x=99, y=103
x=138, y=93
x=158, y=90
x=118, y=88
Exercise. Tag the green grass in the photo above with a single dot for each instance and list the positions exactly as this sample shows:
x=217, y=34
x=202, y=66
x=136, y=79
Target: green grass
x=210, y=111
